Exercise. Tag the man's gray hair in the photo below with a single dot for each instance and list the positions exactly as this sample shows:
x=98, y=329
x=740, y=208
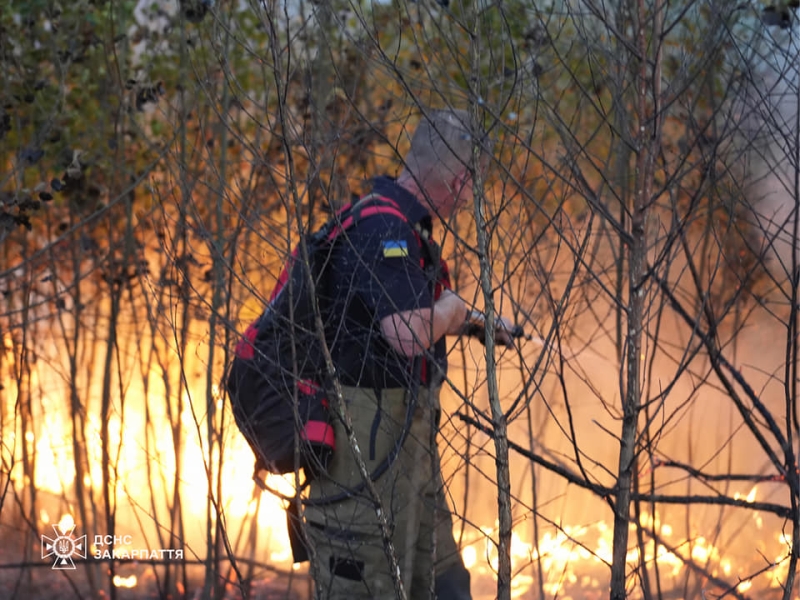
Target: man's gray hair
x=443, y=141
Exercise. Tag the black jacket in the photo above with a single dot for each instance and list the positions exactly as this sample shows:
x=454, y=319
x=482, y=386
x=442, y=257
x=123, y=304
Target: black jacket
x=381, y=266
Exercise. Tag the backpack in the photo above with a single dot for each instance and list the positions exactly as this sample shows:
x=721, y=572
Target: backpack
x=276, y=381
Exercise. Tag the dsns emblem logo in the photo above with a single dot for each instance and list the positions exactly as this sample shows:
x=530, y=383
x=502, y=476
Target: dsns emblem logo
x=64, y=547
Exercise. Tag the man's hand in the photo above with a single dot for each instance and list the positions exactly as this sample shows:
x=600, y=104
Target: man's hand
x=504, y=329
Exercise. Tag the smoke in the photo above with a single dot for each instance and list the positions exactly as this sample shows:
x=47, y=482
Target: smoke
x=773, y=133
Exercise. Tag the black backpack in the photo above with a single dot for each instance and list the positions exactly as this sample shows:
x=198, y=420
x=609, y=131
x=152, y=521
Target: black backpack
x=277, y=380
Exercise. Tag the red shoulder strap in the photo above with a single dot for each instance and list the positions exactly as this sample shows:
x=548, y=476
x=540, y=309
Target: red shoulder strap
x=367, y=206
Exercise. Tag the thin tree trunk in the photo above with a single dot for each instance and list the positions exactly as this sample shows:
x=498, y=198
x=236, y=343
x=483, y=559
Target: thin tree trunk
x=637, y=265
x=498, y=415
x=790, y=379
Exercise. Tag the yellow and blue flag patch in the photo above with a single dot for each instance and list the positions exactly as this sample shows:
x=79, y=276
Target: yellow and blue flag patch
x=395, y=248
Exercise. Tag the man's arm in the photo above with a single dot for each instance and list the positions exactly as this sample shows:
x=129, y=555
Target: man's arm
x=411, y=332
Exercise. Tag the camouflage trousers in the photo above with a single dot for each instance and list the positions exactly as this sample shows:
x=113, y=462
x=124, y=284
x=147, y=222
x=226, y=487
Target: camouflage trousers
x=349, y=557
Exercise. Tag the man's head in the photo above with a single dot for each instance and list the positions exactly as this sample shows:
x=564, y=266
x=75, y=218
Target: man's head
x=438, y=164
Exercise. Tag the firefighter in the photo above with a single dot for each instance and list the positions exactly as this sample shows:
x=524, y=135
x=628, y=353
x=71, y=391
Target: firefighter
x=393, y=308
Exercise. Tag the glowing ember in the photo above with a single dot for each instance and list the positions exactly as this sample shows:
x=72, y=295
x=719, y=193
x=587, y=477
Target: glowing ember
x=66, y=523
x=751, y=496
x=124, y=582
x=470, y=556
